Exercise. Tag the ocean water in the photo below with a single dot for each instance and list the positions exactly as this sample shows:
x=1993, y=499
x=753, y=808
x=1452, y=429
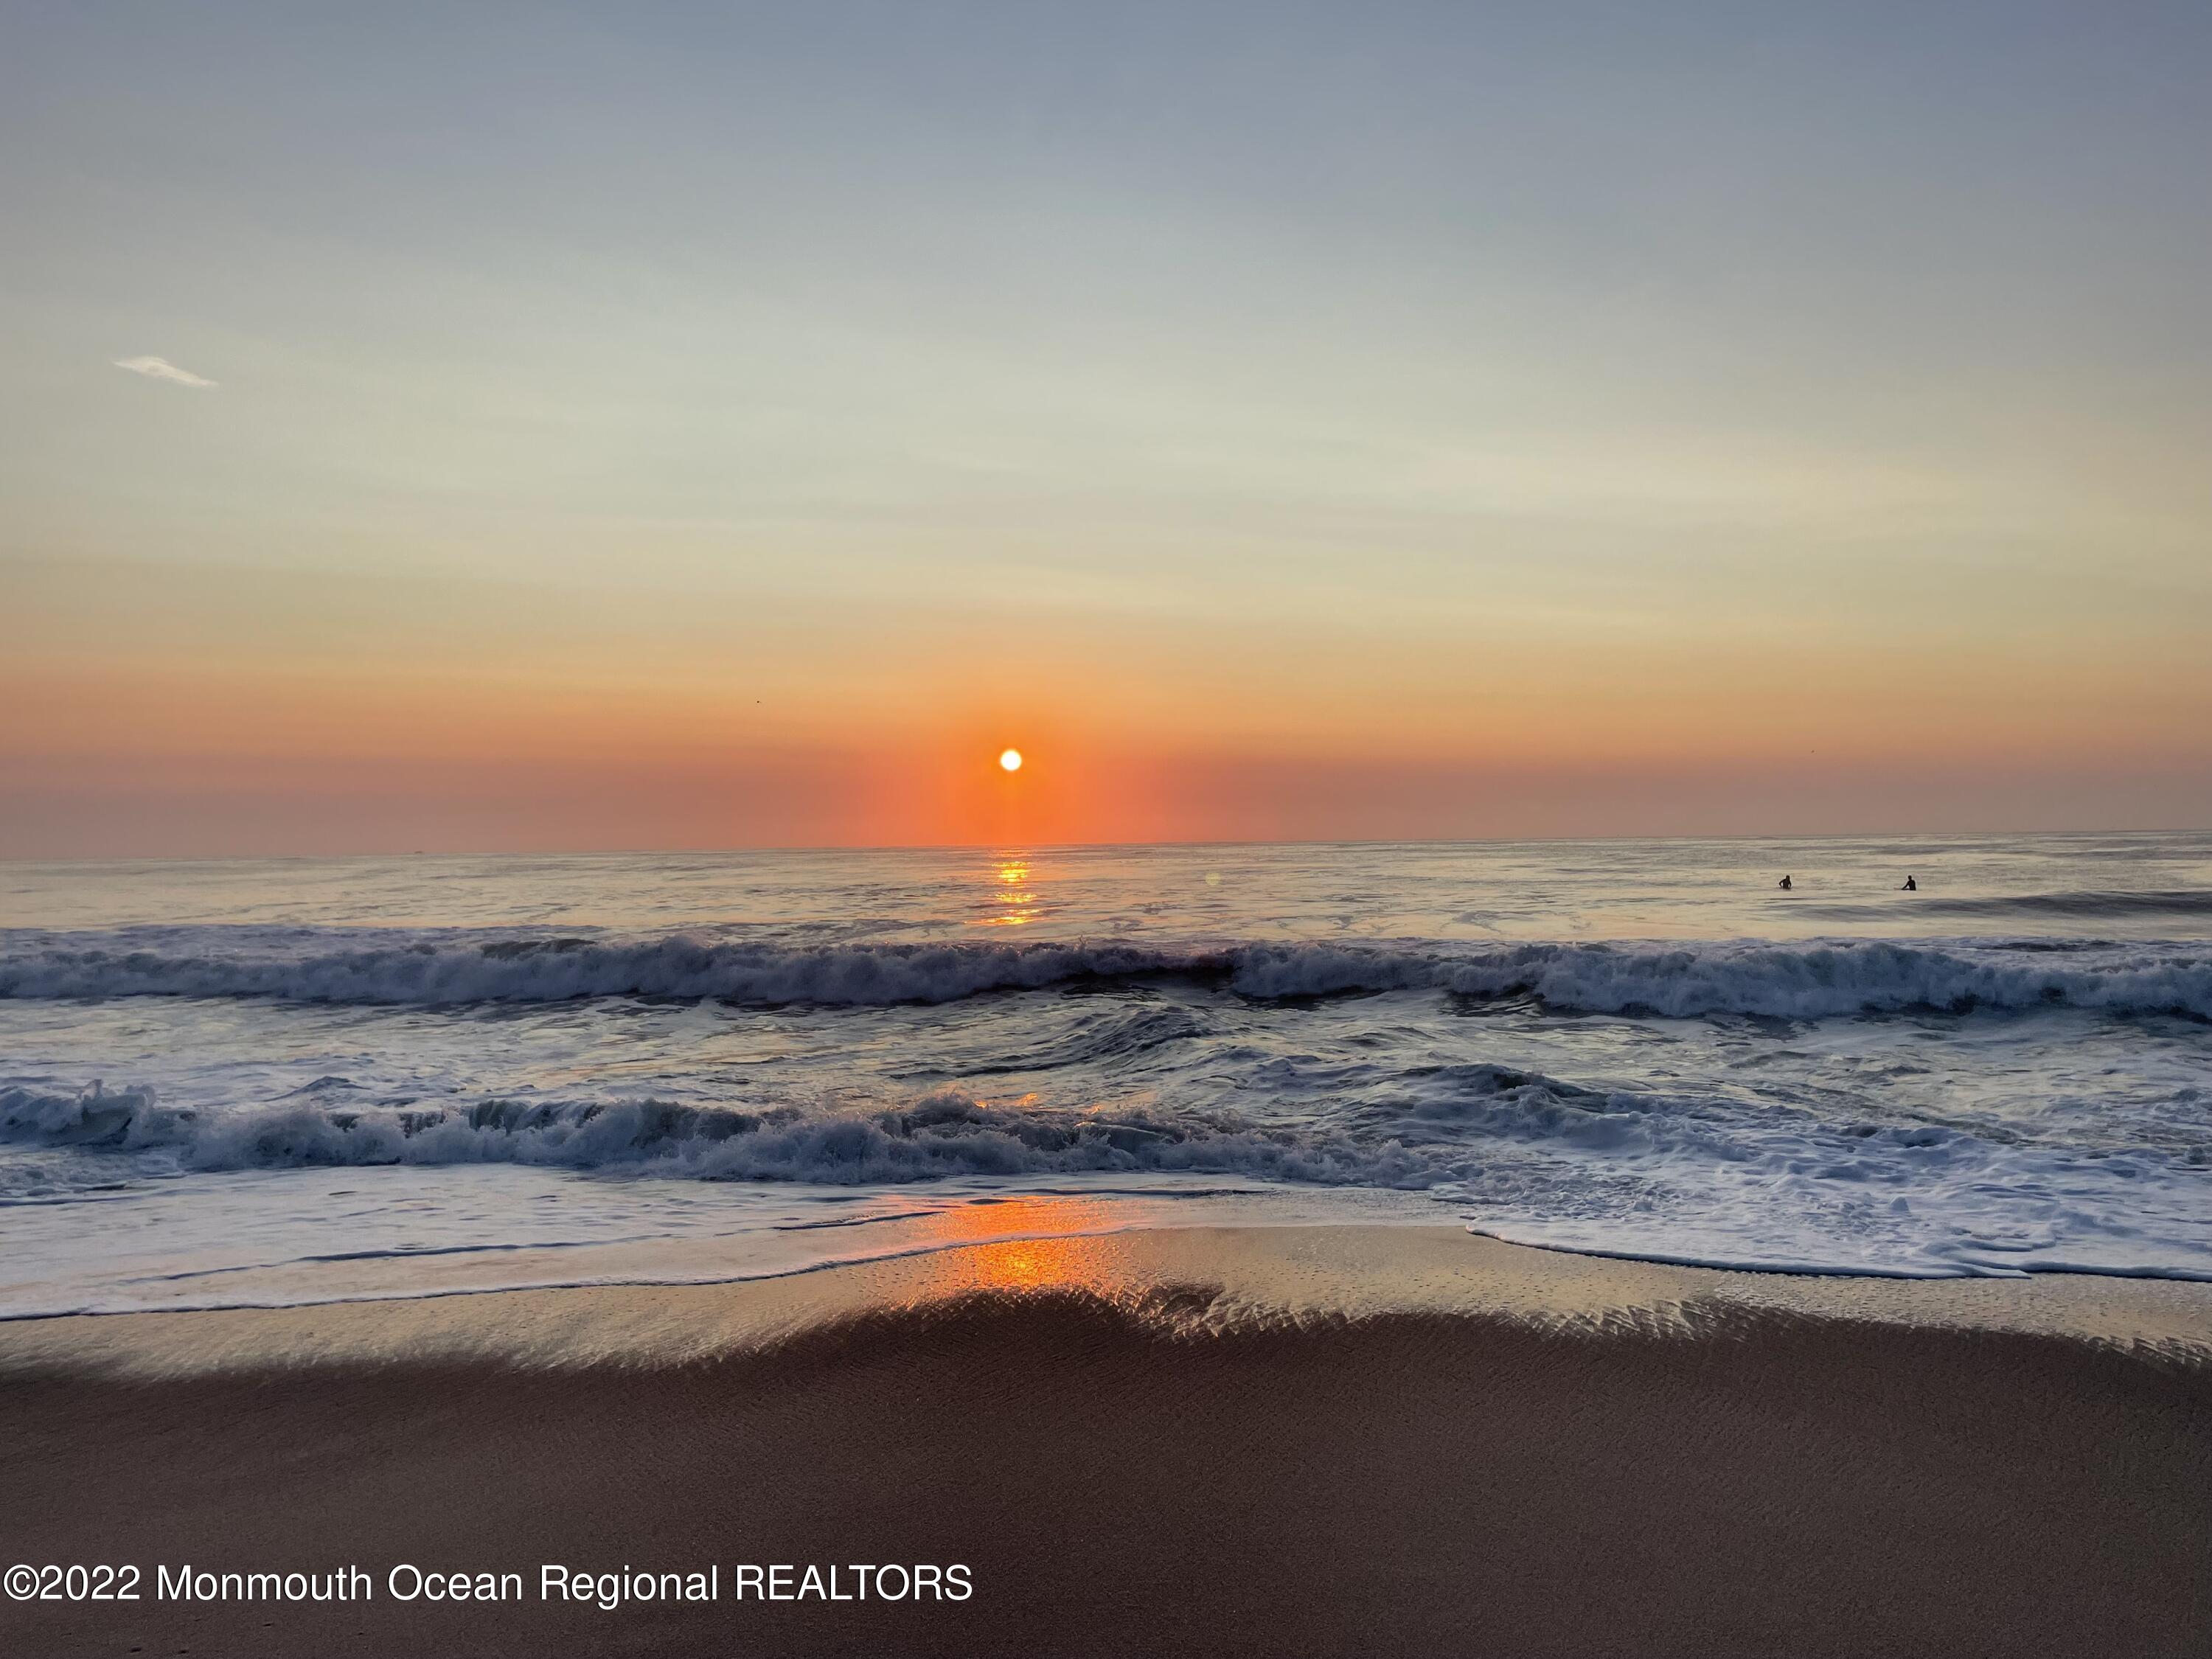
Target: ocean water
x=285, y=1081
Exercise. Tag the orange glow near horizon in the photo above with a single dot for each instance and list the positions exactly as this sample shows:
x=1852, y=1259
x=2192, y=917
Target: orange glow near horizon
x=1381, y=511
x=200, y=743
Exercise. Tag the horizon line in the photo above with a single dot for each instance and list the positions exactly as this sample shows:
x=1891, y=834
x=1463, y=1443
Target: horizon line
x=1004, y=848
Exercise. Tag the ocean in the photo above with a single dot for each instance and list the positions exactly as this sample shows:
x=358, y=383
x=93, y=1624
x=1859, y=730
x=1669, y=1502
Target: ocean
x=292, y=1081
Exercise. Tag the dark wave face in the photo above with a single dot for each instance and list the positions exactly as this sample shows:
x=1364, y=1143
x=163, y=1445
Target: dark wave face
x=2183, y=904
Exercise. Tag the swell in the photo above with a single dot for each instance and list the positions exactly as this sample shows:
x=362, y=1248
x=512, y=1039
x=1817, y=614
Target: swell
x=1810, y=980
x=2115, y=904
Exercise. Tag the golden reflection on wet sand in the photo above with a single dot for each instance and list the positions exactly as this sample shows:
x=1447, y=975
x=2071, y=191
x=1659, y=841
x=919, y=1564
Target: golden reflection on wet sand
x=1071, y=1258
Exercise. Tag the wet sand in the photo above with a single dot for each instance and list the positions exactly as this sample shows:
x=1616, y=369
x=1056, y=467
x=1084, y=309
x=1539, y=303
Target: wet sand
x=1278, y=1440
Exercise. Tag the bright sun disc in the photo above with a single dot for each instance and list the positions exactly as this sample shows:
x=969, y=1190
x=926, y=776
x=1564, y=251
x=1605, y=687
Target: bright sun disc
x=1011, y=759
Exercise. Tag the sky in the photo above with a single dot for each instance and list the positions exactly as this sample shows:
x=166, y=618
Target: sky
x=480, y=427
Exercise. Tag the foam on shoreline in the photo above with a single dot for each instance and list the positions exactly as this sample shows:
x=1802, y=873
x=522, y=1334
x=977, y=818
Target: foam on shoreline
x=1181, y=1280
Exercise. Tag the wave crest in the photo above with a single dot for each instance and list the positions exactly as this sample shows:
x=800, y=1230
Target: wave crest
x=943, y=1134
x=1795, y=981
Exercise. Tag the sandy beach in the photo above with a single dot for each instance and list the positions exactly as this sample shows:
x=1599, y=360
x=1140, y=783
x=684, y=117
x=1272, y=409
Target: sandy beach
x=1263, y=1441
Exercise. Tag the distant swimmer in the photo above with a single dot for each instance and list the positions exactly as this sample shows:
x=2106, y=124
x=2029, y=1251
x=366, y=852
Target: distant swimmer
x=1911, y=886
x=1784, y=883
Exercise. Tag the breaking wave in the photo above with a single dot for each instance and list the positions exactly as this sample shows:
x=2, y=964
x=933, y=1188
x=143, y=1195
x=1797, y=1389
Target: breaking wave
x=945, y=1135
x=1524, y=1156
x=1806, y=980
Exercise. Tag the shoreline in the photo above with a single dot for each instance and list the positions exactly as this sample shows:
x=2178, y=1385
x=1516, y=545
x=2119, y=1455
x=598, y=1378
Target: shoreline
x=1252, y=1440
x=1253, y=1274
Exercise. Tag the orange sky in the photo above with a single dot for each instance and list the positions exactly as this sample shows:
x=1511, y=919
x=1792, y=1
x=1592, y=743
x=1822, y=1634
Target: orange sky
x=205, y=712
x=714, y=429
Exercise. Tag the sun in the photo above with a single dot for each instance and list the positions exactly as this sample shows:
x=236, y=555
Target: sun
x=1011, y=759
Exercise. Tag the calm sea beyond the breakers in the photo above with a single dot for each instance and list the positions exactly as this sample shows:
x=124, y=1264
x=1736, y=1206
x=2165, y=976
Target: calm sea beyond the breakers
x=306, y=1080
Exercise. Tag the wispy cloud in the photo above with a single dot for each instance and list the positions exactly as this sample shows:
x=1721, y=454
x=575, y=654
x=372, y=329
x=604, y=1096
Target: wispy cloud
x=161, y=368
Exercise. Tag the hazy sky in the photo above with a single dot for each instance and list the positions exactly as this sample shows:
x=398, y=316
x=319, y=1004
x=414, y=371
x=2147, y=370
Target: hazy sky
x=486, y=426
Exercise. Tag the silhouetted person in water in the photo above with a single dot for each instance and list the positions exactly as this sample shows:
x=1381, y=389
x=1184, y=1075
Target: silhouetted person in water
x=1911, y=886
x=1784, y=883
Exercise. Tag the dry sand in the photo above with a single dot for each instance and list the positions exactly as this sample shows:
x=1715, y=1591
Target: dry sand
x=1281, y=1441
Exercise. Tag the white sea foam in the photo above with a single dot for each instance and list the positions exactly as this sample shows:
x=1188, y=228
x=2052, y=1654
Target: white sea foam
x=1802, y=980
x=944, y=1133
x=1526, y=1156
x=478, y=1058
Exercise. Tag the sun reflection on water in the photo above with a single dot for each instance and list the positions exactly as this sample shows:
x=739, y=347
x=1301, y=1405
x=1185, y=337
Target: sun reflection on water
x=1010, y=896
